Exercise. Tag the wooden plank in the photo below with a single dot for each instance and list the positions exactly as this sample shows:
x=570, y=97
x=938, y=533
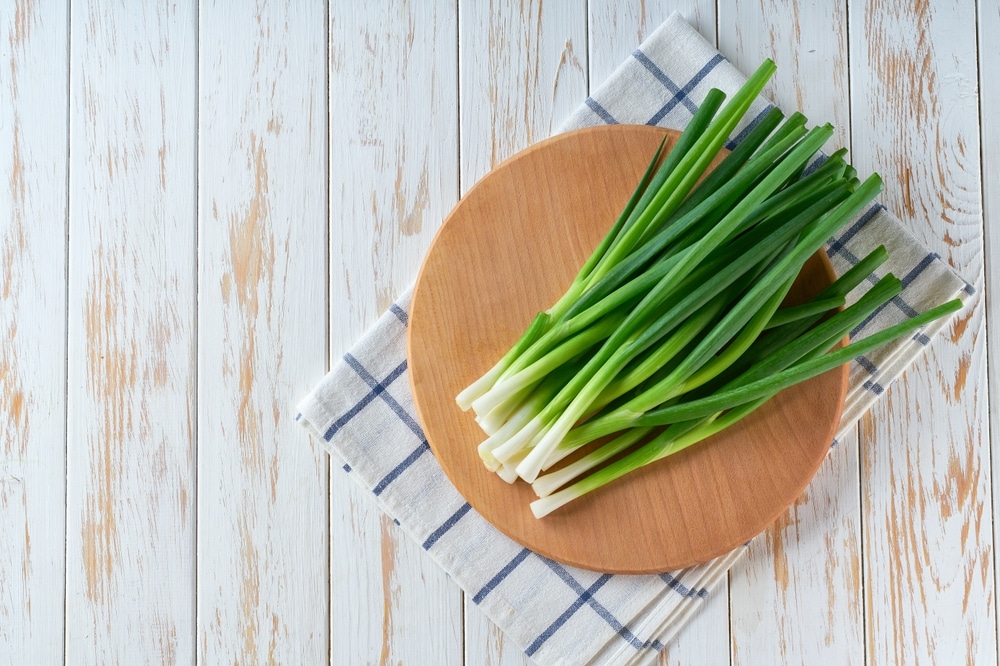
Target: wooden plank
x=393, y=151
x=926, y=482
x=988, y=21
x=704, y=638
x=262, y=500
x=33, y=155
x=797, y=597
x=797, y=594
x=616, y=29
x=808, y=43
x=130, y=476
x=523, y=71
x=393, y=178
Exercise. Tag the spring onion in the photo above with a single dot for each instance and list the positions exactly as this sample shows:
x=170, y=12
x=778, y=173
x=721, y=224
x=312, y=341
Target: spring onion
x=675, y=328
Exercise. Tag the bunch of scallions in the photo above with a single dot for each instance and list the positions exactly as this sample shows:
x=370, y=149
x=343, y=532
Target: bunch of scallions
x=674, y=328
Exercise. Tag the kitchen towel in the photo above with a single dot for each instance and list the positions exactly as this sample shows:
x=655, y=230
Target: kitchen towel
x=363, y=411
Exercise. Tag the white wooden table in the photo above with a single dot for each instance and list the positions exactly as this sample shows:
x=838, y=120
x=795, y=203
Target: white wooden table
x=202, y=204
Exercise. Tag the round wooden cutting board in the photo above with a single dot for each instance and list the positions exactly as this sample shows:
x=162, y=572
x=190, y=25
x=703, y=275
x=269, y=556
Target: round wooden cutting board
x=507, y=251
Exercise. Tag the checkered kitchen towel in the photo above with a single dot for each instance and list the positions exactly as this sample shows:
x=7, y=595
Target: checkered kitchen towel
x=363, y=412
